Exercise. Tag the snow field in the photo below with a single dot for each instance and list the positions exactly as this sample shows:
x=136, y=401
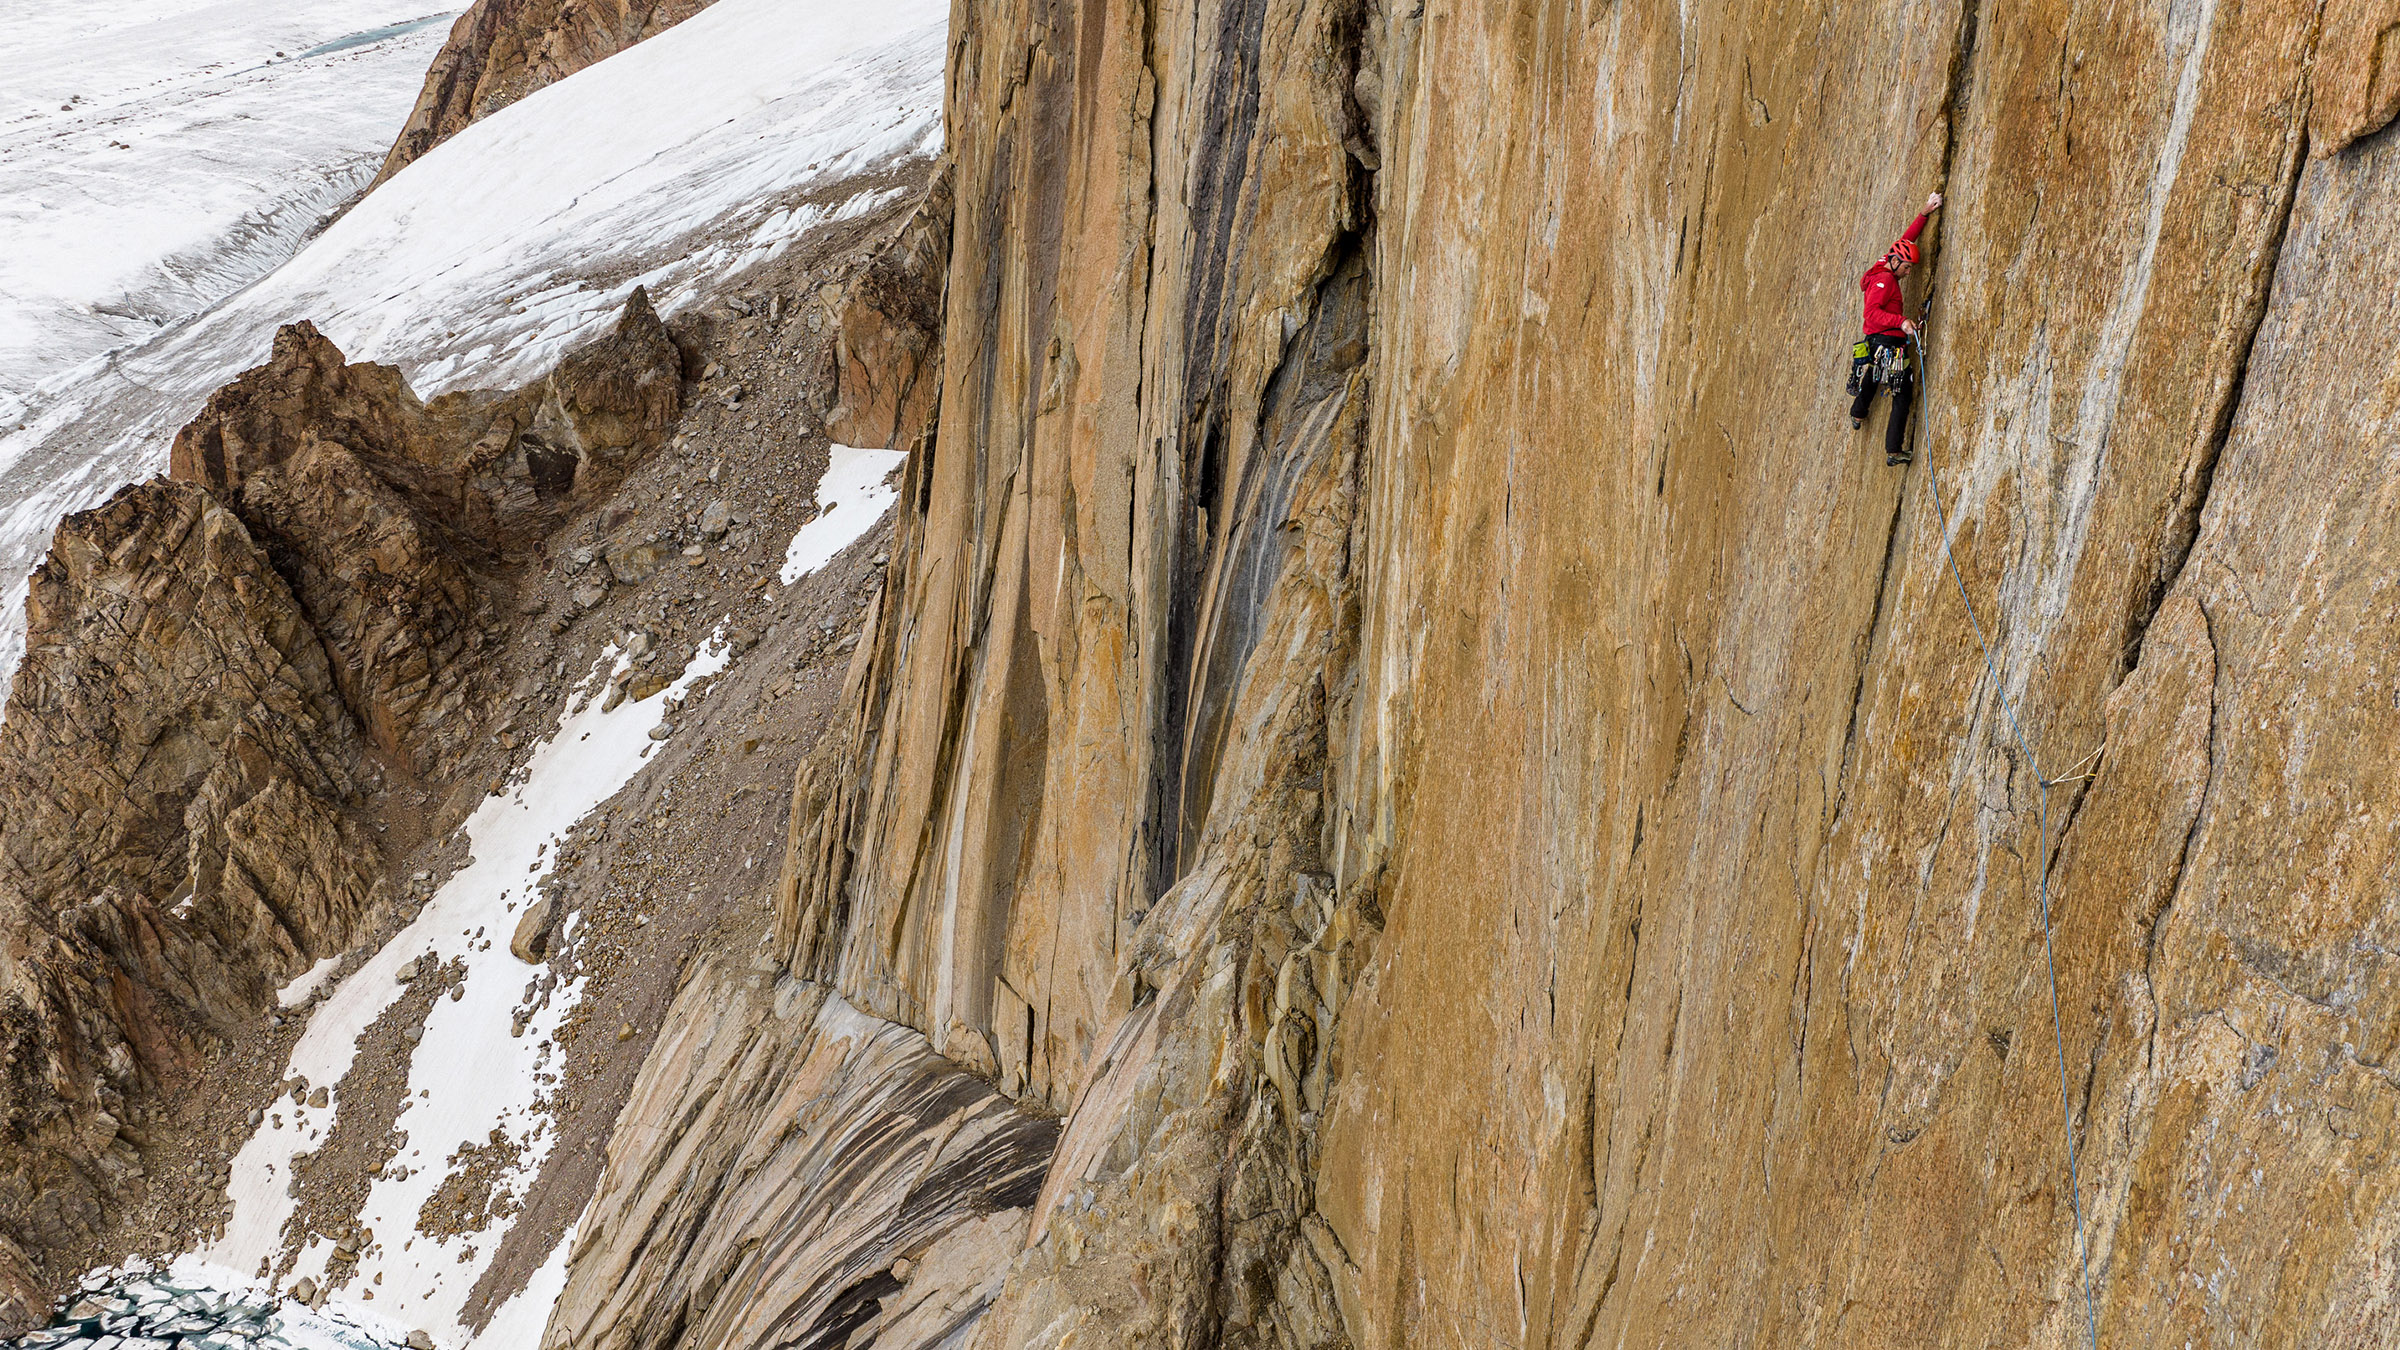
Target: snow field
x=156, y=155
x=300, y=990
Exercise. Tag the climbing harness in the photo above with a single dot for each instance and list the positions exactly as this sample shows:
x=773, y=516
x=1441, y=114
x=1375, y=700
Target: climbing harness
x=1933, y=485
x=1880, y=364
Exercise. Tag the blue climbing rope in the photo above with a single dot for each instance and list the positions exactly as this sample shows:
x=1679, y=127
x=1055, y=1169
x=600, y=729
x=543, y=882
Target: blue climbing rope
x=1933, y=482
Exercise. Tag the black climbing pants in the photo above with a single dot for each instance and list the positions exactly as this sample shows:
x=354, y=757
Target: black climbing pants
x=1904, y=391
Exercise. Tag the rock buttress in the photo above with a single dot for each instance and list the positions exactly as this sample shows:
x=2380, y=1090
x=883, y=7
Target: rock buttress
x=888, y=348
x=382, y=510
x=1595, y=901
x=176, y=840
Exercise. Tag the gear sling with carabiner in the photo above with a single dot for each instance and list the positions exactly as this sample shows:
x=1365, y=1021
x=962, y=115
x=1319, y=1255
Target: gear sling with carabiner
x=1875, y=364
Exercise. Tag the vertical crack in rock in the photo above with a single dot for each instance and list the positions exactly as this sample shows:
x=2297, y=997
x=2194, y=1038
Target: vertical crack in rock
x=2157, y=921
x=1222, y=201
x=1877, y=622
x=1309, y=391
x=2191, y=499
x=1959, y=82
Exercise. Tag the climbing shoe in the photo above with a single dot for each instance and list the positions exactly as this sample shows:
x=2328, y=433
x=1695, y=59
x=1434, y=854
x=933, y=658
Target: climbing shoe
x=1857, y=422
x=1890, y=460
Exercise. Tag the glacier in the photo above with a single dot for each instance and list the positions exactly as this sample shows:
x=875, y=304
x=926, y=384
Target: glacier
x=157, y=155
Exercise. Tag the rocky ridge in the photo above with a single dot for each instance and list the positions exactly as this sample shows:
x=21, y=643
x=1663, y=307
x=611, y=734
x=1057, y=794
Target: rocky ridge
x=228, y=672
x=501, y=50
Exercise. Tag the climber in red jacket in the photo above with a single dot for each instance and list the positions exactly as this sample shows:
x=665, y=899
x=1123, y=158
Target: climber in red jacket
x=1881, y=358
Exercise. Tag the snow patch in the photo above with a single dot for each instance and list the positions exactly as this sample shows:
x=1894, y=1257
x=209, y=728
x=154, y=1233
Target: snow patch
x=851, y=497
x=300, y=990
x=519, y=1323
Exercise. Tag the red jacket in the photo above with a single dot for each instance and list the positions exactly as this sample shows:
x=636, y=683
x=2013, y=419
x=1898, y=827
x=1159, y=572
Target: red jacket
x=1882, y=289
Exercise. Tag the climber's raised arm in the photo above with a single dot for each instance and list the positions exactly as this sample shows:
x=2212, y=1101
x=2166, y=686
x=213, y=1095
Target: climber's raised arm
x=1881, y=358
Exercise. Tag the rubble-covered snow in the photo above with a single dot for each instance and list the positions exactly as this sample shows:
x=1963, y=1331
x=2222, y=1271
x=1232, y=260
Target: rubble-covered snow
x=677, y=164
x=157, y=155
x=301, y=989
x=488, y=1051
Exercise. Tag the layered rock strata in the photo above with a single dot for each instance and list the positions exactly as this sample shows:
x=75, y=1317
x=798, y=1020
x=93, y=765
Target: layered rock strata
x=225, y=670
x=499, y=51
x=791, y=1172
x=1404, y=714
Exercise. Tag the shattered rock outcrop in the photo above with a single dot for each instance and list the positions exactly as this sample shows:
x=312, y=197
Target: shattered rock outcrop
x=888, y=347
x=176, y=836
x=223, y=670
x=501, y=50
x=382, y=508
x=334, y=466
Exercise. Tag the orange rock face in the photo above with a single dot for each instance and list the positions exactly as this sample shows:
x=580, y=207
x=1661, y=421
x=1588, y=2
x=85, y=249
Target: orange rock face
x=1405, y=711
x=1405, y=719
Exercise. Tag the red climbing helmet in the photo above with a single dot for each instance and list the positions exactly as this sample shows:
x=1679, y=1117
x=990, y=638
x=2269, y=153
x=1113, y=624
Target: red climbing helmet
x=1904, y=250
